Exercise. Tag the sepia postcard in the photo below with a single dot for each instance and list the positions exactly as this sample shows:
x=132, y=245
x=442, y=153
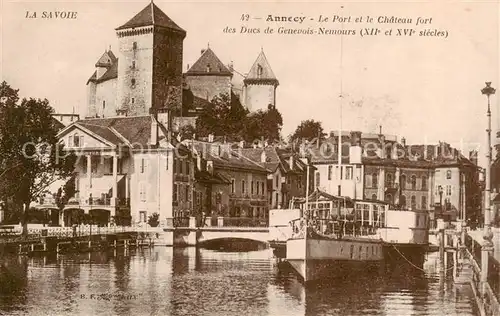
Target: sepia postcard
x=273, y=158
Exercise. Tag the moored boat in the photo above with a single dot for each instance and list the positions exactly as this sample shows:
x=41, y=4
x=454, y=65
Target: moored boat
x=337, y=236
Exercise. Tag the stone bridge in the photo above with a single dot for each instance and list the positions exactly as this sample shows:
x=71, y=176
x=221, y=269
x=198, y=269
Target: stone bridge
x=187, y=236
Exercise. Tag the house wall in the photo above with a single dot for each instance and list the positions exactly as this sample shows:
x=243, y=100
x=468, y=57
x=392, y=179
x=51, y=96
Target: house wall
x=328, y=181
x=151, y=185
x=241, y=203
x=452, y=184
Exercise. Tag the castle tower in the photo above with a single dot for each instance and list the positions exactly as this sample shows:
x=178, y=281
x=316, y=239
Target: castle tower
x=208, y=77
x=260, y=85
x=101, y=103
x=150, y=63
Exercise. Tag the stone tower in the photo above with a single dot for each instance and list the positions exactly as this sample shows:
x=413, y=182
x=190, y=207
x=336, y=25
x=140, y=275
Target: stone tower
x=208, y=77
x=150, y=63
x=259, y=86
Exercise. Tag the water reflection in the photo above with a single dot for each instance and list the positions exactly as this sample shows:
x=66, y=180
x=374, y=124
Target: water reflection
x=190, y=281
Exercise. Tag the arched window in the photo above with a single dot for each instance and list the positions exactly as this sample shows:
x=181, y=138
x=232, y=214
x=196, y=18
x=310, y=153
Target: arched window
x=413, y=182
x=402, y=201
x=424, y=183
x=76, y=140
x=374, y=180
x=423, y=202
x=389, y=180
x=259, y=71
x=403, y=182
x=374, y=196
x=413, y=202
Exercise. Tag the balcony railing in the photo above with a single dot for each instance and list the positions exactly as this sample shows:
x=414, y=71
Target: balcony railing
x=244, y=222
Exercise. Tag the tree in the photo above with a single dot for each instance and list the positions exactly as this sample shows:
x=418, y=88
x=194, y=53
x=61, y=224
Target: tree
x=29, y=145
x=224, y=116
x=153, y=220
x=65, y=193
x=308, y=130
x=263, y=125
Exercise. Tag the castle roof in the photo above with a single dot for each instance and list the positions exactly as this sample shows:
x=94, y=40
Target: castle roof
x=261, y=71
x=208, y=64
x=151, y=15
x=111, y=72
x=107, y=59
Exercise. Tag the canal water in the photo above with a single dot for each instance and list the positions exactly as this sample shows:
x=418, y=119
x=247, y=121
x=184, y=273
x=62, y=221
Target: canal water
x=167, y=281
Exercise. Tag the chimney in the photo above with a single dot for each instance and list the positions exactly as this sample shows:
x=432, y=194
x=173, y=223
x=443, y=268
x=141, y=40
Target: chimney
x=210, y=138
x=153, y=140
x=202, y=51
x=231, y=66
x=263, y=156
x=291, y=161
x=241, y=144
x=403, y=141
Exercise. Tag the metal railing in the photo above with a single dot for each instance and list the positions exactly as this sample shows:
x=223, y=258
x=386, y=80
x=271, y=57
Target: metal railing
x=494, y=276
x=474, y=248
x=335, y=228
x=244, y=222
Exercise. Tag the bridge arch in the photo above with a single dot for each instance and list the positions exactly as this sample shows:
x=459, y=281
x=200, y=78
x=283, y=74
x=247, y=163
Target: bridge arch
x=258, y=236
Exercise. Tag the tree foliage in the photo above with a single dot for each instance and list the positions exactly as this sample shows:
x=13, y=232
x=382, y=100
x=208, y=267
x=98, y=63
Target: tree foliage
x=65, y=193
x=154, y=220
x=263, y=125
x=308, y=130
x=225, y=116
x=30, y=157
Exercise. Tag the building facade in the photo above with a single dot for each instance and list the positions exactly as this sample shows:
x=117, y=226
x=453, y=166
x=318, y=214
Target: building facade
x=127, y=170
x=435, y=178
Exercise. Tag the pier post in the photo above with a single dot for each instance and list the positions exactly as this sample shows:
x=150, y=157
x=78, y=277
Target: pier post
x=441, y=245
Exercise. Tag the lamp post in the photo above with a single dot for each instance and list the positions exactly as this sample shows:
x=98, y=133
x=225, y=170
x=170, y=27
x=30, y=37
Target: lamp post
x=487, y=246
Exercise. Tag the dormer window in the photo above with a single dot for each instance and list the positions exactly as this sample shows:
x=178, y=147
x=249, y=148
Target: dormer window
x=134, y=45
x=259, y=71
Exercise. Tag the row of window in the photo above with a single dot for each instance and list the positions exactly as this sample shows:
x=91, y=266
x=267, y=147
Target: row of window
x=256, y=187
x=180, y=166
x=405, y=183
x=403, y=202
x=349, y=173
x=182, y=192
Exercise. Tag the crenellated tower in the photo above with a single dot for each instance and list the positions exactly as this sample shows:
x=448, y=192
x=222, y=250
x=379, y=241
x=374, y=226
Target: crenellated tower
x=150, y=63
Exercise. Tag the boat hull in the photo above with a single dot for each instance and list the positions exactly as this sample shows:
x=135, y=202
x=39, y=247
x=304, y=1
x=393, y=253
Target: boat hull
x=315, y=258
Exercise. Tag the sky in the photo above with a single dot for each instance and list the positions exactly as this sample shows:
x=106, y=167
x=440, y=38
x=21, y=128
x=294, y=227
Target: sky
x=426, y=89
